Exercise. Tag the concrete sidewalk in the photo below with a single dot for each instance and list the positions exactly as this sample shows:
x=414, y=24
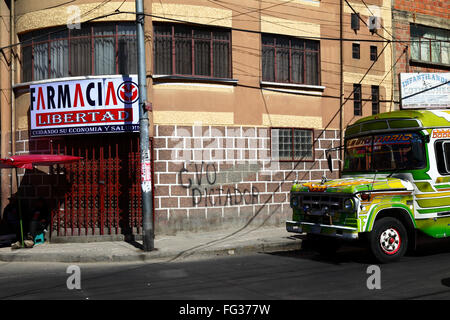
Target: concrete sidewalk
x=168, y=248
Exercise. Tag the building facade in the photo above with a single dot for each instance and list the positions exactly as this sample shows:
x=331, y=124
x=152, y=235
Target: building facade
x=246, y=97
x=422, y=31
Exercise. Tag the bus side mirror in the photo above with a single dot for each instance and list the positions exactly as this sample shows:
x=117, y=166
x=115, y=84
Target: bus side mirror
x=329, y=160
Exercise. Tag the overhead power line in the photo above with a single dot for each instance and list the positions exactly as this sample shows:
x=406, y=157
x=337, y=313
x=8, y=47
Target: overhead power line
x=389, y=33
x=260, y=32
x=425, y=90
x=359, y=17
x=331, y=120
x=119, y=12
x=60, y=30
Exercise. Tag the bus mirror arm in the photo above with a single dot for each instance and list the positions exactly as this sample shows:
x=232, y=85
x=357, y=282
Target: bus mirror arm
x=329, y=160
x=328, y=156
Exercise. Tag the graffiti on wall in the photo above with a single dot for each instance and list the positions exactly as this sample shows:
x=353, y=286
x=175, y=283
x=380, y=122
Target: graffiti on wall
x=211, y=188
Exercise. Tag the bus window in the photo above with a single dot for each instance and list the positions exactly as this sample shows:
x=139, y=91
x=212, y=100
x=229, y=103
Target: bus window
x=442, y=150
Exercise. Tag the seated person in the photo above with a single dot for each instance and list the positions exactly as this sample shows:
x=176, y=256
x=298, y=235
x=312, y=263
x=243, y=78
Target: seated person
x=10, y=223
x=39, y=218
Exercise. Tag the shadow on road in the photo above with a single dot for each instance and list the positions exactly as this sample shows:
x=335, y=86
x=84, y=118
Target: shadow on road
x=427, y=246
x=358, y=252
x=349, y=252
x=446, y=282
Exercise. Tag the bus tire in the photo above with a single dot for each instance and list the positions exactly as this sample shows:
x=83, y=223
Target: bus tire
x=388, y=240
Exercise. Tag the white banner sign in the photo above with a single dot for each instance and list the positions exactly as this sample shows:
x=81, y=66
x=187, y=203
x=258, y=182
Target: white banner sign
x=425, y=90
x=87, y=106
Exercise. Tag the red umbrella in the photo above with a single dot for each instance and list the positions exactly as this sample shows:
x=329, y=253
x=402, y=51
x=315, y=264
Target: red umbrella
x=28, y=161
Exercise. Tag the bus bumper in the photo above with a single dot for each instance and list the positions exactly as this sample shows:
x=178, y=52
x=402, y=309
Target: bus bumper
x=322, y=229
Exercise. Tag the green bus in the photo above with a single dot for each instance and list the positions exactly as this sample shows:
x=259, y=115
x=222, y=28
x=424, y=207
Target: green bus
x=395, y=182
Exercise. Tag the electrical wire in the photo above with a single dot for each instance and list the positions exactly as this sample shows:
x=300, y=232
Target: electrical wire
x=121, y=5
x=316, y=139
x=381, y=24
x=59, y=30
x=118, y=12
x=425, y=90
x=95, y=8
x=333, y=117
x=260, y=32
x=359, y=17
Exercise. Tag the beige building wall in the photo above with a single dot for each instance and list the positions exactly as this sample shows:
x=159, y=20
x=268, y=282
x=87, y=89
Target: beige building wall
x=5, y=101
x=247, y=101
x=355, y=69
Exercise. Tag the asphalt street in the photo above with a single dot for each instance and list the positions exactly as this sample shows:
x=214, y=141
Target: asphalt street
x=298, y=274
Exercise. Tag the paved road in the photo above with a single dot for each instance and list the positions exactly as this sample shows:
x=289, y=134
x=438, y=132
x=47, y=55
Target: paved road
x=284, y=275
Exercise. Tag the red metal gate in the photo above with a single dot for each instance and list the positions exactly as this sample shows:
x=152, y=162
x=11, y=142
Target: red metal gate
x=101, y=194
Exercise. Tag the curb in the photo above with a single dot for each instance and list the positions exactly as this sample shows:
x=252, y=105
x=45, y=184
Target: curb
x=154, y=256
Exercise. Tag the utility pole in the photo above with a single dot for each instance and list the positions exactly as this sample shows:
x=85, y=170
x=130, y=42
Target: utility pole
x=146, y=185
x=12, y=39
x=341, y=84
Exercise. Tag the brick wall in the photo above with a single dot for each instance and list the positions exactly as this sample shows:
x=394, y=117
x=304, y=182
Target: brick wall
x=36, y=183
x=402, y=32
x=402, y=54
x=436, y=8
x=209, y=177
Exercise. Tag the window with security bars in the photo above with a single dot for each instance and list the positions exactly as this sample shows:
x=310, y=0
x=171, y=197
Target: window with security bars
x=430, y=44
x=292, y=144
x=357, y=100
x=375, y=99
x=290, y=60
x=184, y=50
x=373, y=53
x=355, y=50
x=94, y=49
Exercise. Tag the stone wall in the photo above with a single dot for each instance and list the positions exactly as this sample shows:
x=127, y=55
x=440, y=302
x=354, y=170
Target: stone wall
x=212, y=177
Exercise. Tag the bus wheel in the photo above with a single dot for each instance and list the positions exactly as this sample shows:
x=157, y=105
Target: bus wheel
x=388, y=240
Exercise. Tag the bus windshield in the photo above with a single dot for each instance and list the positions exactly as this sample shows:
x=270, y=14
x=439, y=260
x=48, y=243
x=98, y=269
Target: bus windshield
x=385, y=152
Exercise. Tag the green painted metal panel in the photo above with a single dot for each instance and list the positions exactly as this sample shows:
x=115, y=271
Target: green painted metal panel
x=436, y=202
x=426, y=117
x=352, y=130
x=442, y=179
x=383, y=206
x=403, y=124
x=435, y=210
x=424, y=187
x=377, y=125
x=437, y=228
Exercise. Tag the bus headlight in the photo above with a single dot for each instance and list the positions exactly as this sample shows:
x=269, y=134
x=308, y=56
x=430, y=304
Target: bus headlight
x=306, y=209
x=294, y=202
x=349, y=205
